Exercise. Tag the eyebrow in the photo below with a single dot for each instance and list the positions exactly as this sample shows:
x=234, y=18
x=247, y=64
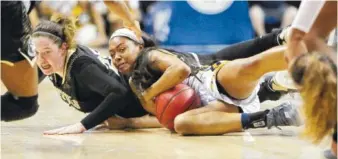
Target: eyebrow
x=112, y=50
x=44, y=49
x=120, y=45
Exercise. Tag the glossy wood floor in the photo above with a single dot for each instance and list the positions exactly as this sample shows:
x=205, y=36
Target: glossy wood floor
x=24, y=139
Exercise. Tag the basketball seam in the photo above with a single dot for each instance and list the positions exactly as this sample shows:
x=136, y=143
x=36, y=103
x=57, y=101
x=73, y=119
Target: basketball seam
x=191, y=103
x=171, y=101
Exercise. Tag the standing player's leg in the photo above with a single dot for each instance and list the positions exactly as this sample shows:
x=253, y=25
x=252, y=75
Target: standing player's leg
x=17, y=74
x=21, y=81
x=312, y=25
x=316, y=38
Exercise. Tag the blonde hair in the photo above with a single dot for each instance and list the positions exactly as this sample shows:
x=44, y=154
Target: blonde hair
x=316, y=74
x=60, y=29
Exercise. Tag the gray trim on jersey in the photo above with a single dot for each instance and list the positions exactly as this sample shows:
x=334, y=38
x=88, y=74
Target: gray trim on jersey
x=196, y=58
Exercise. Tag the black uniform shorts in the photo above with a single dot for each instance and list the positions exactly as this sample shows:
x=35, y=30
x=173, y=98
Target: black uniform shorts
x=15, y=31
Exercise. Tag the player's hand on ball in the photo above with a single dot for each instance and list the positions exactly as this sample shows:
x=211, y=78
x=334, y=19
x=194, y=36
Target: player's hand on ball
x=147, y=96
x=71, y=129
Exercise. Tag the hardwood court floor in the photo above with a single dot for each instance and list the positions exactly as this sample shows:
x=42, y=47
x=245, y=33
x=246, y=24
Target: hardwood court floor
x=24, y=139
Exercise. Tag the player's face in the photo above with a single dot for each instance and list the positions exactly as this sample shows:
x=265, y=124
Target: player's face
x=50, y=58
x=123, y=52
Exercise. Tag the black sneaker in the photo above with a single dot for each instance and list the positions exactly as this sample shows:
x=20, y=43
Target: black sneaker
x=280, y=81
x=282, y=34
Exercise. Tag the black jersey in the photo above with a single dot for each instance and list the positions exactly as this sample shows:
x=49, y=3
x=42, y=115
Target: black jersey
x=15, y=30
x=144, y=76
x=90, y=86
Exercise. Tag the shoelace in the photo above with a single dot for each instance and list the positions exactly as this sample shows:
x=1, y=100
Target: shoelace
x=277, y=119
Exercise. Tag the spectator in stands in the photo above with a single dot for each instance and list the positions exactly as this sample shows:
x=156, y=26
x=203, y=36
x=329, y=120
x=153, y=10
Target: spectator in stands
x=266, y=15
x=92, y=29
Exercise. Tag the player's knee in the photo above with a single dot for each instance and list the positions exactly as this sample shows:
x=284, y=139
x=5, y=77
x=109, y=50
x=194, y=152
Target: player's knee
x=16, y=109
x=183, y=125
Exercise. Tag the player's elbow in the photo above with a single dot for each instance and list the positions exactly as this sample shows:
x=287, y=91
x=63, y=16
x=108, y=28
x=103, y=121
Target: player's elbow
x=183, y=71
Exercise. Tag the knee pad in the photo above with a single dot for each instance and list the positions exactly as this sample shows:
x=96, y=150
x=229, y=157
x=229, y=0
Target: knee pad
x=17, y=108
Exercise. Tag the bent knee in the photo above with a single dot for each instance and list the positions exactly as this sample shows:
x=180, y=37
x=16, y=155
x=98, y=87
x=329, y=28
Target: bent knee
x=183, y=125
x=250, y=64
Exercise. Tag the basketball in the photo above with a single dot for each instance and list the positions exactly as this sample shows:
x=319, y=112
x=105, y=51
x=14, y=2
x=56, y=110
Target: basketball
x=173, y=102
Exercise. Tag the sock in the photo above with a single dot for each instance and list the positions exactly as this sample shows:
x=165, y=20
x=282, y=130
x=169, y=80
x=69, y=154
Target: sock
x=254, y=120
x=245, y=120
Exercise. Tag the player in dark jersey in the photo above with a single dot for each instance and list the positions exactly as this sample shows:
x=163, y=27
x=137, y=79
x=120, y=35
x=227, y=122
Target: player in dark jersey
x=228, y=90
x=84, y=81
x=18, y=73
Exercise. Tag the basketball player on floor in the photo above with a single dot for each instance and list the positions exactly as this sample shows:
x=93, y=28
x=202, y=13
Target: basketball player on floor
x=271, y=89
x=247, y=48
x=84, y=82
x=21, y=100
x=228, y=89
x=313, y=67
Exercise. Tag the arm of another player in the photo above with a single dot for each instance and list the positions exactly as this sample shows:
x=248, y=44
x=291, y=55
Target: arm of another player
x=99, y=22
x=147, y=121
x=121, y=9
x=34, y=18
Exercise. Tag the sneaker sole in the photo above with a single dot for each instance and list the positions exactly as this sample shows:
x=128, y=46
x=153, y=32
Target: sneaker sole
x=282, y=78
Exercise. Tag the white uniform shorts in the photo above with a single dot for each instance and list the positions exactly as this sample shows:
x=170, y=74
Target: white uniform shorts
x=204, y=83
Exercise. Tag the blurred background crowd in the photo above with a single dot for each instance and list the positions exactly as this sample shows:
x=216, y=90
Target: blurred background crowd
x=202, y=26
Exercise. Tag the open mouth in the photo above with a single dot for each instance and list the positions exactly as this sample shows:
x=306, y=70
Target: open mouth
x=46, y=66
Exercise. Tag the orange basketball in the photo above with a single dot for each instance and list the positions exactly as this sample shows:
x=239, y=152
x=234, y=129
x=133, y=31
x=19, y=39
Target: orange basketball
x=175, y=101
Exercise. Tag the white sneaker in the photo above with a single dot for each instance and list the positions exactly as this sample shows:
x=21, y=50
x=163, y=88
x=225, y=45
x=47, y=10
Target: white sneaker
x=282, y=79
